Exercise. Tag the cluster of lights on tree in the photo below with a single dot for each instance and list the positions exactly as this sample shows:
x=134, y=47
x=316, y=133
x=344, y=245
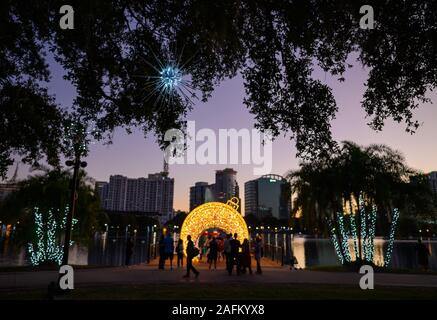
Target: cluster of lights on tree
x=78, y=136
x=214, y=215
x=363, y=218
x=47, y=233
x=344, y=238
x=369, y=248
x=391, y=237
x=367, y=233
x=353, y=231
x=335, y=242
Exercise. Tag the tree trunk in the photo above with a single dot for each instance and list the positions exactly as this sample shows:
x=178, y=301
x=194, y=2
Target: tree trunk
x=360, y=253
x=339, y=236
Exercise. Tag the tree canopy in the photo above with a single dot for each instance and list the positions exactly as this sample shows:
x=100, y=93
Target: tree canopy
x=114, y=47
x=376, y=173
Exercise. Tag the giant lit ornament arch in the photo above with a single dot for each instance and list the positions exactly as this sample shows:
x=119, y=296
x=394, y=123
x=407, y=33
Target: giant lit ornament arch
x=217, y=215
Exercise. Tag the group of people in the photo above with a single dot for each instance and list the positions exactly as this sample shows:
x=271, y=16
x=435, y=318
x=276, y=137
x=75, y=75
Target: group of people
x=236, y=254
x=167, y=251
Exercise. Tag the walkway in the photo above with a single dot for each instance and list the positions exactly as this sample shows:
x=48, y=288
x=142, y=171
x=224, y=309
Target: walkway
x=149, y=274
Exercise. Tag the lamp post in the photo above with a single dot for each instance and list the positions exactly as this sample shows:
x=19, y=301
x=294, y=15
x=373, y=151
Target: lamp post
x=76, y=164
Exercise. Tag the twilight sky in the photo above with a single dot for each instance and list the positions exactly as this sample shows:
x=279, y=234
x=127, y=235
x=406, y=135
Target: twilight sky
x=134, y=156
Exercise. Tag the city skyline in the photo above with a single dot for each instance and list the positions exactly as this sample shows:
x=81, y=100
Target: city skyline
x=134, y=156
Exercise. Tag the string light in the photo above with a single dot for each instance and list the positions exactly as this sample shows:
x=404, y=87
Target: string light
x=368, y=231
x=77, y=136
x=363, y=233
x=344, y=238
x=354, y=232
x=369, y=247
x=46, y=247
x=216, y=215
x=334, y=241
x=391, y=237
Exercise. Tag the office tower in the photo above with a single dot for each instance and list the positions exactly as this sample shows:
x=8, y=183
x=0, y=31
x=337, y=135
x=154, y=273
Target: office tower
x=269, y=195
x=432, y=176
x=226, y=185
x=198, y=194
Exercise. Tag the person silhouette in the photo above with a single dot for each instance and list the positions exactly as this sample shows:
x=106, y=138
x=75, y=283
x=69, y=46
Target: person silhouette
x=169, y=249
x=192, y=251
x=180, y=253
x=129, y=251
x=235, y=251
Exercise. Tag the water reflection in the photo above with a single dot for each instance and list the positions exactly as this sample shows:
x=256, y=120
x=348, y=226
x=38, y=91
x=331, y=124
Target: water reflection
x=314, y=252
x=109, y=249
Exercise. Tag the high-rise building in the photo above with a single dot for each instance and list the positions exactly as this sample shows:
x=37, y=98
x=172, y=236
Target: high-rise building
x=198, y=194
x=101, y=187
x=269, y=195
x=153, y=194
x=433, y=181
x=226, y=185
x=224, y=188
x=201, y=193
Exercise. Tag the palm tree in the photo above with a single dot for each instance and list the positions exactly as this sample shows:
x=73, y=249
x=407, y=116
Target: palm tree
x=352, y=182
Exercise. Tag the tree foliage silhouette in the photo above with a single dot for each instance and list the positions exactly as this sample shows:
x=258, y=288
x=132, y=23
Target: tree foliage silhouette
x=274, y=45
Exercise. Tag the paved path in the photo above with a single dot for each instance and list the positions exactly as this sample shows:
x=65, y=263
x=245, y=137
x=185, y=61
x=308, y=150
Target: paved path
x=149, y=274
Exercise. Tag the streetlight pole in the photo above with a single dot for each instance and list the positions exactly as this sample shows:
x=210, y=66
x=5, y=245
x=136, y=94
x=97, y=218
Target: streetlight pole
x=76, y=164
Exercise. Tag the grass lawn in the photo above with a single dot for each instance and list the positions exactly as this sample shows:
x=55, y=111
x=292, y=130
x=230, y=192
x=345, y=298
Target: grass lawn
x=376, y=269
x=46, y=268
x=198, y=291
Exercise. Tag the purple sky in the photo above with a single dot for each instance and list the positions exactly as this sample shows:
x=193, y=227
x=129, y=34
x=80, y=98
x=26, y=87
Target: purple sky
x=134, y=156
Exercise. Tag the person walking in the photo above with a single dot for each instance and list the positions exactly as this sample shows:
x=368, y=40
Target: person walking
x=206, y=248
x=161, y=247
x=258, y=254
x=169, y=249
x=213, y=253
x=180, y=252
x=246, y=261
x=422, y=255
x=129, y=251
x=221, y=249
x=227, y=251
x=235, y=250
x=192, y=251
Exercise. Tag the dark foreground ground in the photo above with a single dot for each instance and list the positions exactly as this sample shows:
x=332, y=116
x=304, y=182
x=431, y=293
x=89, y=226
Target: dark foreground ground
x=235, y=291
x=146, y=282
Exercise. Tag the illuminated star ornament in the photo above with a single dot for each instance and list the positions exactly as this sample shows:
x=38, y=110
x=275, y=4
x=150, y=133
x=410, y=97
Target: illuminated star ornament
x=170, y=84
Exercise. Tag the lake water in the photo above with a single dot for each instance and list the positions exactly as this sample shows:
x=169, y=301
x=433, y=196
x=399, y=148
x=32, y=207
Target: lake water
x=110, y=251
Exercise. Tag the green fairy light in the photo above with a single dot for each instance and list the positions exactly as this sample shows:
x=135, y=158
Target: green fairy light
x=363, y=232
x=344, y=237
x=334, y=241
x=353, y=232
x=369, y=246
x=47, y=246
x=391, y=237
